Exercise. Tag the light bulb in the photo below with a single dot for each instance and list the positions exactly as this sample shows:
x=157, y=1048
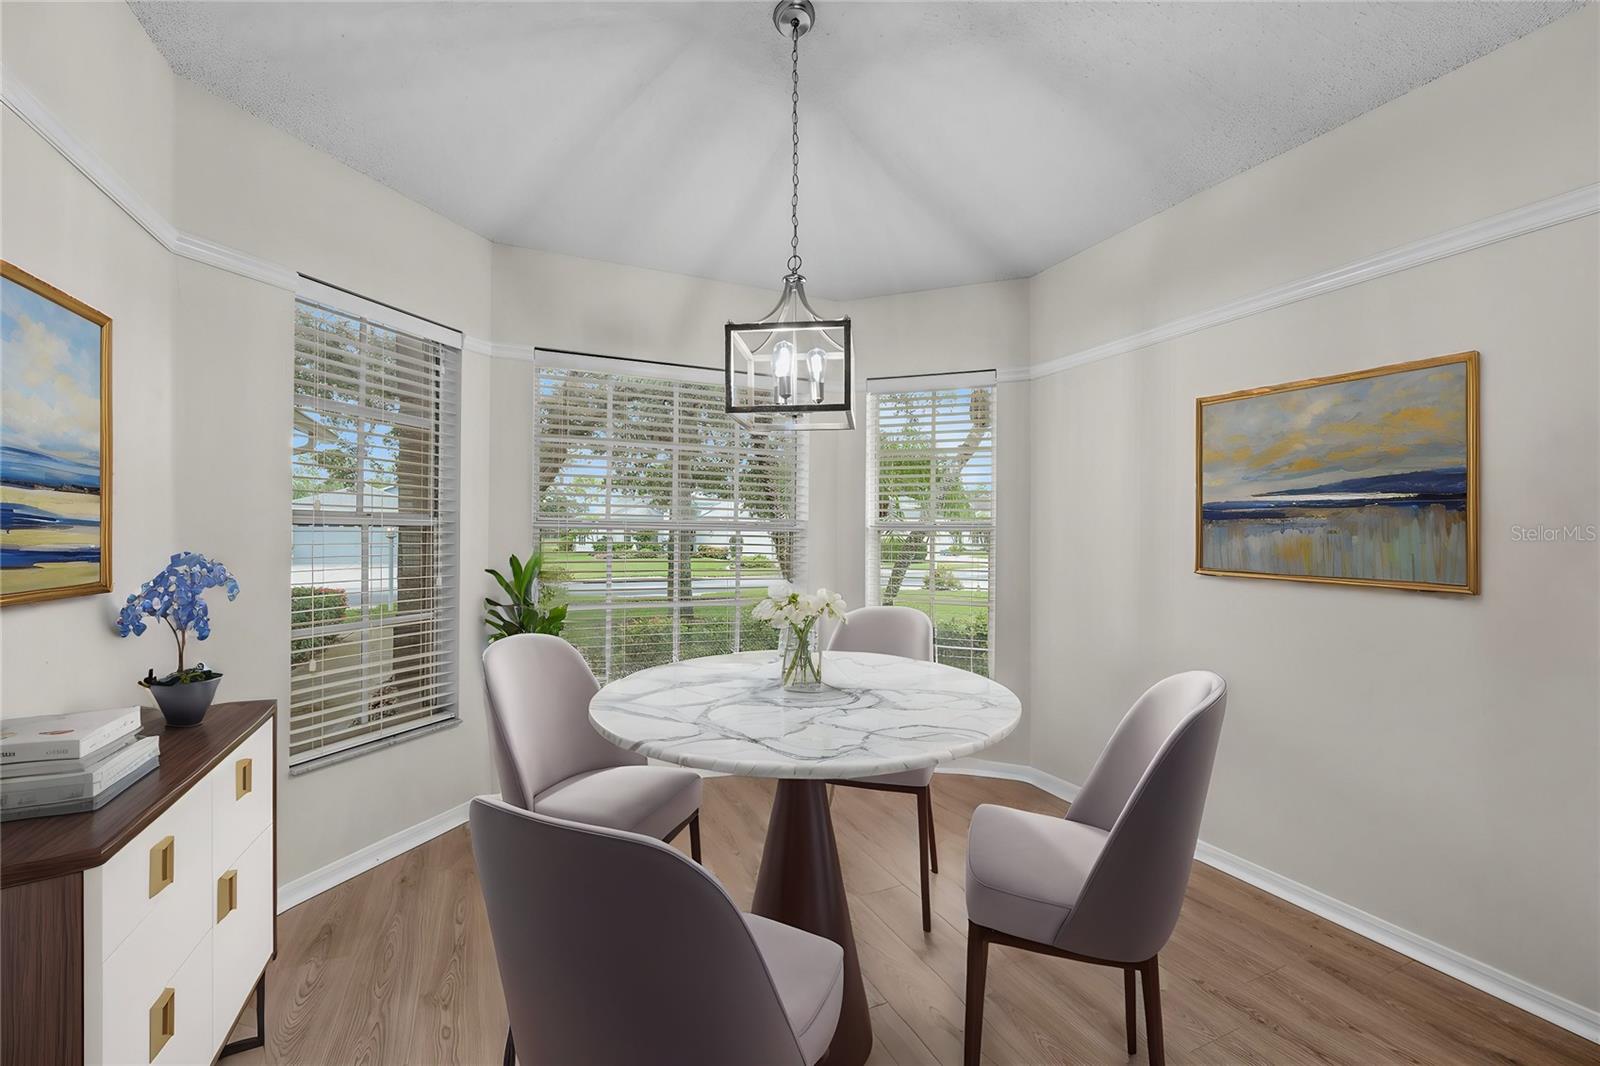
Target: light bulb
x=783, y=371
x=816, y=363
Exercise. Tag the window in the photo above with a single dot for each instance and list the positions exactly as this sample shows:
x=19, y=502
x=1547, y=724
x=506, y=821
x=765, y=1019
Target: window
x=930, y=507
x=661, y=520
x=373, y=611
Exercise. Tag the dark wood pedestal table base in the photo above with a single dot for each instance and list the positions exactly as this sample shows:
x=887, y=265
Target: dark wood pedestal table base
x=876, y=714
x=800, y=884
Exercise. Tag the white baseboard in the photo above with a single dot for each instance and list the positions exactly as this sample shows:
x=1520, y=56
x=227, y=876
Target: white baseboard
x=296, y=892
x=1011, y=771
x=1558, y=1010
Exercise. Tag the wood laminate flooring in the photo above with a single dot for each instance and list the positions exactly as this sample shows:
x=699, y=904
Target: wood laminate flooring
x=397, y=965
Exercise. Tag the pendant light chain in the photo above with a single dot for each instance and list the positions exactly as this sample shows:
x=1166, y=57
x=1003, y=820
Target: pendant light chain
x=794, y=158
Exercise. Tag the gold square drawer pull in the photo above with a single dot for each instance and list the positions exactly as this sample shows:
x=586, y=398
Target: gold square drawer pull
x=227, y=894
x=163, y=1021
x=162, y=865
x=243, y=778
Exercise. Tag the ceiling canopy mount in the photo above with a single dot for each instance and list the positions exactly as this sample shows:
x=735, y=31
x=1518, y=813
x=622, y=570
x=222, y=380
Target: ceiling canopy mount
x=793, y=18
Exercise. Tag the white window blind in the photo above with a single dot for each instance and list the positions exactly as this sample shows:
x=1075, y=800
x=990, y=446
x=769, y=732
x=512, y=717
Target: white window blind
x=375, y=466
x=661, y=520
x=930, y=509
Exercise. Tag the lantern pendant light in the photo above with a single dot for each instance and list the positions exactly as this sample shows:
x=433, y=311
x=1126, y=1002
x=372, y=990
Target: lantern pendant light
x=792, y=369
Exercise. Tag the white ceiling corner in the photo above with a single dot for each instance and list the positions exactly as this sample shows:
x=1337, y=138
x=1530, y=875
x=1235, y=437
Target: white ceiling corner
x=942, y=143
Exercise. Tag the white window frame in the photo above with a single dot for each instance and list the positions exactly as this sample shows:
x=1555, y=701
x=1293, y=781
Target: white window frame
x=933, y=525
x=442, y=516
x=710, y=384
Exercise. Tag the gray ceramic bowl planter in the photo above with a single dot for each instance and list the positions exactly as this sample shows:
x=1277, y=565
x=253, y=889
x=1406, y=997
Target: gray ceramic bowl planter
x=183, y=703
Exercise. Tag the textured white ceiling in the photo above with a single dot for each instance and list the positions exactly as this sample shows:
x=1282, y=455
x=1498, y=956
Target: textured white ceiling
x=941, y=143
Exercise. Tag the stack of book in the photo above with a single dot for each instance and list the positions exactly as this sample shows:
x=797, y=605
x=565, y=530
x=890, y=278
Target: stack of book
x=67, y=763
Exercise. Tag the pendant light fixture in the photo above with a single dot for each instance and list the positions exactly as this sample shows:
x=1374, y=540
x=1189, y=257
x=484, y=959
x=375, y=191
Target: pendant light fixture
x=792, y=369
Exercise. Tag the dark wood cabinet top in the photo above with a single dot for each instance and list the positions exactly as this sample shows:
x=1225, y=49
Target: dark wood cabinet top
x=36, y=848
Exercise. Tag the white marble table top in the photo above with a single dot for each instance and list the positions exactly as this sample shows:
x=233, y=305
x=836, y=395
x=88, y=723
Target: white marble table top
x=881, y=714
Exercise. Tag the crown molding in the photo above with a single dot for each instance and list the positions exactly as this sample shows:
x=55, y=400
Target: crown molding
x=1565, y=207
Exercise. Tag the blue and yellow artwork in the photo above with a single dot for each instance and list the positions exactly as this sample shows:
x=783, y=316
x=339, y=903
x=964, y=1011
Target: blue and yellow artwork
x=1367, y=478
x=55, y=449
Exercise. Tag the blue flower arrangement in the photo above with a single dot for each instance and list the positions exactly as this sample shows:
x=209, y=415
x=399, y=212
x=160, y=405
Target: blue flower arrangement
x=175, y=596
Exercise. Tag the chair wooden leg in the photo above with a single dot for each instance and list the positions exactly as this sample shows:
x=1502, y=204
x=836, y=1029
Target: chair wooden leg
x=1130, y=1012
x=1151, y=974
x=511, y=1051
x=977, y=967
x=933, y=843
x=694, y=836
x=924, y=834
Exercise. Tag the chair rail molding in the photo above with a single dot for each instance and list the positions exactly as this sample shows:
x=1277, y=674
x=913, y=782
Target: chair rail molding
x=234, y=261
x=1558, y=1010
x=42, y=121
x=26, y=106
x=1530, y=218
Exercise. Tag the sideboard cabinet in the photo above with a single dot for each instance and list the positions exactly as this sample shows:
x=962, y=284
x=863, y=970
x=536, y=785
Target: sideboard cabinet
x=136, y=933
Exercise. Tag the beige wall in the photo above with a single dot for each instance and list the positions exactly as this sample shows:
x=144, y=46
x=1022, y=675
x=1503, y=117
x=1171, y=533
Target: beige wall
x=249, y=186
x=584, y=305
x=99, y=74
x=202, y=388
x=1433, y=760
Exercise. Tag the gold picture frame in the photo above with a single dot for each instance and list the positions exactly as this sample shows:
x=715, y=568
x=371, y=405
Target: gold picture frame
x=1302, y=527
x=35, y=591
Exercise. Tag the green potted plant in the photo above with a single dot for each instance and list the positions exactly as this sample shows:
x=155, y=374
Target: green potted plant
x=522, y=612
x=175, y=597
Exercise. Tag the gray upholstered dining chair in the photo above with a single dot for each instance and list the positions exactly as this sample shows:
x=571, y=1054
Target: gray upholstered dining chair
x=614, y=948
x=1104, y=884
x=551, y=761
x=907, y=632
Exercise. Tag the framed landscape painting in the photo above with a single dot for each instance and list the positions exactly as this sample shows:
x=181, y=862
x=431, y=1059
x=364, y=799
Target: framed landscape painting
x=55, y=443
x=1368, y=478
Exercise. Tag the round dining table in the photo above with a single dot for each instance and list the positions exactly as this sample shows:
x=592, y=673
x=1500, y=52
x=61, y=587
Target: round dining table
x=876, y=714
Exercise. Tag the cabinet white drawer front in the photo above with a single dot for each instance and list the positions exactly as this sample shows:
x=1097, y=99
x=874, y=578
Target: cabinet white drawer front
x=146, y=960
x=242, y=939
x=154, y=1016
x=241, y=797
x=164, y=871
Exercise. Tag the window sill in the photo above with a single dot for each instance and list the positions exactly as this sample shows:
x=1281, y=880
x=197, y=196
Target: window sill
x=367, y=749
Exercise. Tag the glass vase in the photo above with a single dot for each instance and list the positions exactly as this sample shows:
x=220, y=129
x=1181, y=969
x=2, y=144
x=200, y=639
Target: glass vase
x=800, y=658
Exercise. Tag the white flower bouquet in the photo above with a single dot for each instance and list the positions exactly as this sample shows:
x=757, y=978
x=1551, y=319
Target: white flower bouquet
x=795, y=614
